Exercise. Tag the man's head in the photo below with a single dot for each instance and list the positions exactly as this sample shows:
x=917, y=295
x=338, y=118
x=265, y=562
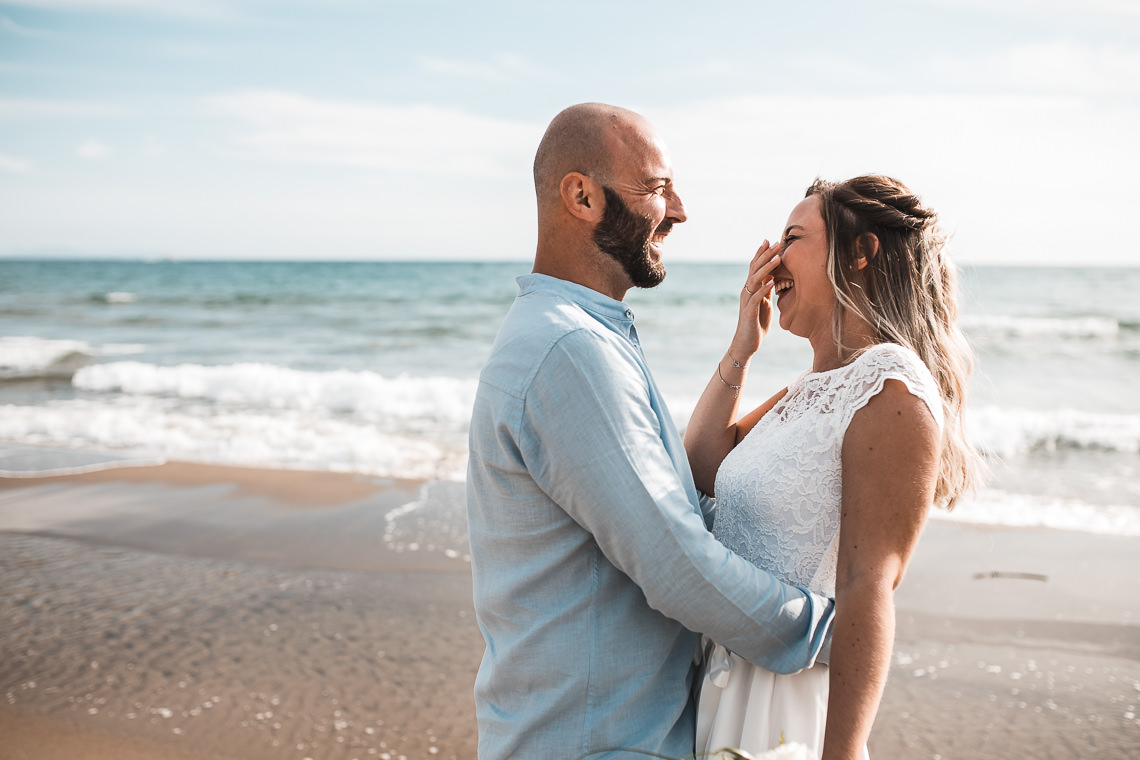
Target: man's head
x=604, y=184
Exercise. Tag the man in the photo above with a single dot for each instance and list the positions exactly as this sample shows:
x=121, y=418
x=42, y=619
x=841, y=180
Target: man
x=591, y=559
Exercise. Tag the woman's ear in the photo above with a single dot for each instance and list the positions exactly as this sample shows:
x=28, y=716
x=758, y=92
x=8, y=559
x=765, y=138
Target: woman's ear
x=582, y=197
x=866, y=248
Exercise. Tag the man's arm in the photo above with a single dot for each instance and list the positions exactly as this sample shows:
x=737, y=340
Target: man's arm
x=598, y=453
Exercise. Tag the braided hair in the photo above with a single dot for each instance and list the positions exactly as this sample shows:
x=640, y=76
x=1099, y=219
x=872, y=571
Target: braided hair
x=907, y=293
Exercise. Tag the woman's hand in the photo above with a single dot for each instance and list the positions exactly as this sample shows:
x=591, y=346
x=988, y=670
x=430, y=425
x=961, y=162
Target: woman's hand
x=756, y=303
x=713, y=428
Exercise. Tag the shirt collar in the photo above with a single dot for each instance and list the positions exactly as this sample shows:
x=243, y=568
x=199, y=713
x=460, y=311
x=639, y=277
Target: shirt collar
x=589, y=299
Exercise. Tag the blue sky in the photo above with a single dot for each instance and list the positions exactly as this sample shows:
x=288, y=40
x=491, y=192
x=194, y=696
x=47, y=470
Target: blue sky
x=348, y=130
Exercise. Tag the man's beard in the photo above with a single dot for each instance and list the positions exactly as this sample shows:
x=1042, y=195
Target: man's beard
x=625, y=236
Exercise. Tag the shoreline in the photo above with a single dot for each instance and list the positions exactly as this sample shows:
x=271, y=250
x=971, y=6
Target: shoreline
x=293, y=518
x=202, y=612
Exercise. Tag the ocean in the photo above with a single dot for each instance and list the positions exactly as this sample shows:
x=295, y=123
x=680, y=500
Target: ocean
x=371, y=368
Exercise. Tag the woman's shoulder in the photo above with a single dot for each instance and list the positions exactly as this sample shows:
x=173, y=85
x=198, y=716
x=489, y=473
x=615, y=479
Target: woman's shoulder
x=891, y=357
x=891, y=361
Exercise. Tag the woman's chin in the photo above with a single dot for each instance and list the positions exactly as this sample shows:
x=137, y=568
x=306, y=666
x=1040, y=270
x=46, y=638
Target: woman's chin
x=785, y=322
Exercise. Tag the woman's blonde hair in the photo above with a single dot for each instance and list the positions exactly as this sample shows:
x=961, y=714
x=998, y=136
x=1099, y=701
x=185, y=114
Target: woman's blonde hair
x=907, y=293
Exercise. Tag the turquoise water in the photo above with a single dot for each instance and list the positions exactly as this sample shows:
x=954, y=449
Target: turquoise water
x=371, y=367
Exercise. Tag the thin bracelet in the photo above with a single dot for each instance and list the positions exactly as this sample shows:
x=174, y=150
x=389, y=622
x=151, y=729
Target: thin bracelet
x=735, y=363
x=735, y=388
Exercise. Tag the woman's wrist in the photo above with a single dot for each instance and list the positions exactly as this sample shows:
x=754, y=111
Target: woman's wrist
x=739, y=356
x=734, y=388
x=732, y=376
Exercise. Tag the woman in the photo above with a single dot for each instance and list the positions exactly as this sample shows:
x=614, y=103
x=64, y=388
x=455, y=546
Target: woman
x=827, y=484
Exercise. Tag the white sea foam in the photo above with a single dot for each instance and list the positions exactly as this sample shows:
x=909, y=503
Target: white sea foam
x=1040, y=327
x=259, y=415
x=173, y=428
x=25, y=355
x=996, y=507
x=287, y=439
x=1006, y=432
x=362, y=394
x=1011, y=431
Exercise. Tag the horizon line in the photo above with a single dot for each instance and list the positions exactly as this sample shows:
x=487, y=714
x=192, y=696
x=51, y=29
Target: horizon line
x=166, y=259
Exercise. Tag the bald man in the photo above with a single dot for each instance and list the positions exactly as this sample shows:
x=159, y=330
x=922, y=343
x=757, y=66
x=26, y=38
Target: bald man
x=591, y=558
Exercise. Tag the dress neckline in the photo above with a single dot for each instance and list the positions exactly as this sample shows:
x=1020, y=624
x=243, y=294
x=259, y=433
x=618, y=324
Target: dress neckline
x=848, y=365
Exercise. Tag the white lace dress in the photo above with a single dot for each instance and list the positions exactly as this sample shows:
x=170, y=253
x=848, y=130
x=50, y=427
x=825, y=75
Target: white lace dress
x=778, y=502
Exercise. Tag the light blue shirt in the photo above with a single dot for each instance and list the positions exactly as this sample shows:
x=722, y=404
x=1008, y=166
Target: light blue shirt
x=591, y=559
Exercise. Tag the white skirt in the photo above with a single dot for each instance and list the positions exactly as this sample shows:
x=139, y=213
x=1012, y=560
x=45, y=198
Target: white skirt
x=749, y=708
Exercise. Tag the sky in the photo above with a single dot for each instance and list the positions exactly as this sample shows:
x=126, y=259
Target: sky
x=405, y=130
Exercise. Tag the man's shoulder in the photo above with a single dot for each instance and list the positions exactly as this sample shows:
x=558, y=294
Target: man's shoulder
x=546, y=319
x=537, y=326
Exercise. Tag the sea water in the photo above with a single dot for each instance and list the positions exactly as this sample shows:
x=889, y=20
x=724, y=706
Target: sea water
x=371, y=368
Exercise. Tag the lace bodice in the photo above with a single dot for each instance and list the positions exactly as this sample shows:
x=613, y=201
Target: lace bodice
x=778, y=492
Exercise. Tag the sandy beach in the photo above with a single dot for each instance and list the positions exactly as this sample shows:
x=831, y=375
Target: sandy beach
x=197, y=612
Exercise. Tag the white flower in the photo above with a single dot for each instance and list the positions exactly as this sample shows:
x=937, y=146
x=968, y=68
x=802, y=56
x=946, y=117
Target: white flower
x=791, y=751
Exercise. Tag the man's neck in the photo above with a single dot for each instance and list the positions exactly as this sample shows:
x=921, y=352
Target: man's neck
x=589, y=268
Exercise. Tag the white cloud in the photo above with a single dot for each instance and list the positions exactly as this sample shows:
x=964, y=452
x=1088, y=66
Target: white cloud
x=1058, y=66
x=152, y=147
x=239, y=214
x=187, y=49
x=11, y=27
x=194, y=8
x=93, y=149
x=1017, y=178
x=1122, y=7
x=501, y=68
x=285, y=127
x=15, y=165
x=12, y=109
x=1126, y=8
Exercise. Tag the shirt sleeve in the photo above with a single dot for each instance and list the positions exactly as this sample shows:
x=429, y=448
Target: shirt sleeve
x=593, y=443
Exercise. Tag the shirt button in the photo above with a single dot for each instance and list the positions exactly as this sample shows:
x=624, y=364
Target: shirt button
x=628, y=314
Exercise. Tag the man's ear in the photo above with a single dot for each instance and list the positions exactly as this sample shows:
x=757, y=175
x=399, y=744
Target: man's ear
x=582, y=197
x=866, y=248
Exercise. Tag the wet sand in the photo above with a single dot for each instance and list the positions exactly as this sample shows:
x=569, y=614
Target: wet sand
x=193, y=612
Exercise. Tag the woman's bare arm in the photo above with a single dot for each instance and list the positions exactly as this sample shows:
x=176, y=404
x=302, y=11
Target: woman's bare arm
x=891, y=454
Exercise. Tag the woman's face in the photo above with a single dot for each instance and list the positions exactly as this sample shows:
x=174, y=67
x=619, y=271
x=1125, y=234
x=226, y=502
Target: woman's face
x=804, y=294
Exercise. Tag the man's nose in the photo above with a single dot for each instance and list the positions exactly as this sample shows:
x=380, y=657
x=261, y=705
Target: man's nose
x=675, y=209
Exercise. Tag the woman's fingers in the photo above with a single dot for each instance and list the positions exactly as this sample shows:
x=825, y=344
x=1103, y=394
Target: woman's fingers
x=766, y=260
x=762, y=254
